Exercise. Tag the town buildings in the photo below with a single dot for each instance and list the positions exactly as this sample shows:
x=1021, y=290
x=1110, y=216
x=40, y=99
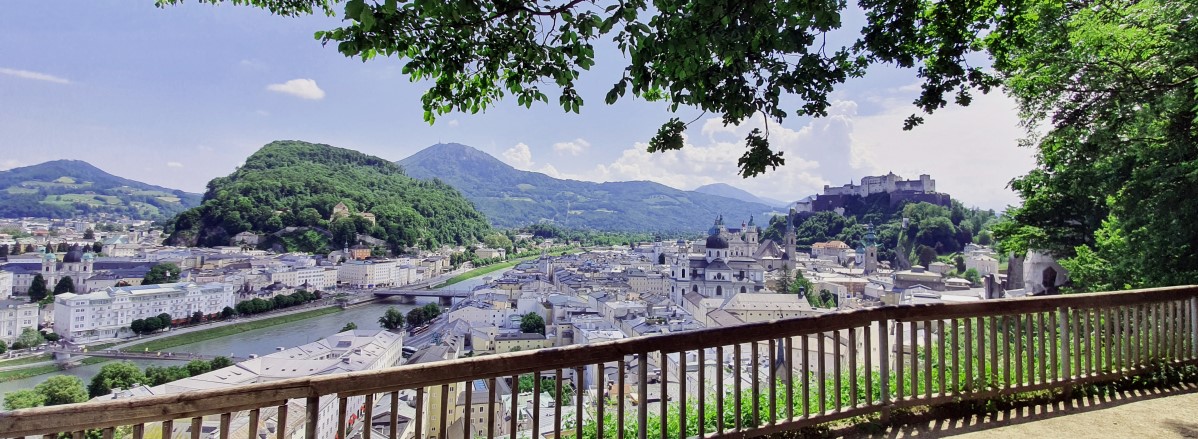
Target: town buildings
x=348, y=351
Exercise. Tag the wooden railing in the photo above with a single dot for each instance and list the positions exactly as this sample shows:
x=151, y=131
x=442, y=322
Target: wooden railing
x=736, y=381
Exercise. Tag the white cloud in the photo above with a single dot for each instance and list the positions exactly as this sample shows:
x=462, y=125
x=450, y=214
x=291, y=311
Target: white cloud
x=301, y=88
x=574, y=147
x=26, y=74
x=519, y=156
x=972, y=153
x=453, y=123
x=174, y=165
x=9, y=164
x=262, y=113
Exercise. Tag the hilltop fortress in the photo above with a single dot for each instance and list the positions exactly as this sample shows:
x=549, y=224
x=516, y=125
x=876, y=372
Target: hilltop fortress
x=899, y=190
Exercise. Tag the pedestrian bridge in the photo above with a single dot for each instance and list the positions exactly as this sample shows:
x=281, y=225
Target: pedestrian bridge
x=63, y=355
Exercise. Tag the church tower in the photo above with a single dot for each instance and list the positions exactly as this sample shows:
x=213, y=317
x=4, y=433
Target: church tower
x=870, y=241
x=751, y=233
x=790, y=240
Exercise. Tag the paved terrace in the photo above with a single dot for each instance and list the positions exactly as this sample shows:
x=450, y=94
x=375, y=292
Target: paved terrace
x=1150, y=413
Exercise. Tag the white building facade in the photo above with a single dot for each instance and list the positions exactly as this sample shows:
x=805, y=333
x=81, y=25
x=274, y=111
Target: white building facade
x=367, y=274
x=15, y=314
x=317, y=278
x=107, y=313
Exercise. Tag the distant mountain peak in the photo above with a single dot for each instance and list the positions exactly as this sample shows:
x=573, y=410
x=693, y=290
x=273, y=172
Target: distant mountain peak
x=41, y=191
x=511, y=197
x=730, y=191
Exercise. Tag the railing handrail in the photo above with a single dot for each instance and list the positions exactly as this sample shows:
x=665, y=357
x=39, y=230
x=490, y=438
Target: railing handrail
x=133, y=410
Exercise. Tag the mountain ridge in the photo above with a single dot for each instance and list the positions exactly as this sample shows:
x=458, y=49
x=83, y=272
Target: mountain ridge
x=730, y=191
x=70, y=188
x=511, y=197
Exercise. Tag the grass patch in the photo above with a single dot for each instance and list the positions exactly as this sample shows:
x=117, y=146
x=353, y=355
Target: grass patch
x=26, y=360
x=160, y=344
x=225, y=331
x=492, y=268
x=19, y=374
x=20, y=190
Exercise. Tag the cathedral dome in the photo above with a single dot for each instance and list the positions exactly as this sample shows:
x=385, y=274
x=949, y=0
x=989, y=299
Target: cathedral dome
x=717, y=242
x=75, y=254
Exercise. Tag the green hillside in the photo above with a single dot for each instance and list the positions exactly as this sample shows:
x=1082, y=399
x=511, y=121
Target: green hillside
x=69, y=188
x=931, y=231
x=297, y=184
x=514, y=198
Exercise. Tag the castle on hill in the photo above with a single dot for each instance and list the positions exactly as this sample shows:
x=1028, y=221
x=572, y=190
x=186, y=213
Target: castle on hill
x=897, y=189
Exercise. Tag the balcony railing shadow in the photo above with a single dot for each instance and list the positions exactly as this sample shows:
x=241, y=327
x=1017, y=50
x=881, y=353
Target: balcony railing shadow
x=959, y=419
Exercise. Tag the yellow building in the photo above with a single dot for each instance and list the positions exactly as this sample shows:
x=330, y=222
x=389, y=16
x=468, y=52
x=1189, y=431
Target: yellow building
x=433, y=397
x=521, y=342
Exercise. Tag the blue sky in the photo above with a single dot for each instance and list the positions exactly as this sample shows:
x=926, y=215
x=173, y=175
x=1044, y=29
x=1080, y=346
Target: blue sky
x=180, y=95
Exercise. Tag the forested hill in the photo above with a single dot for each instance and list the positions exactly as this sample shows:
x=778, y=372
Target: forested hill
x=69, y=188
x=512, y=198
x=293, y=184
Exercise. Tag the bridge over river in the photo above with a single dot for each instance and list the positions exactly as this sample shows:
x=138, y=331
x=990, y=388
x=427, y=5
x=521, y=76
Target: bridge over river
x=409, y=295
x=62, y=355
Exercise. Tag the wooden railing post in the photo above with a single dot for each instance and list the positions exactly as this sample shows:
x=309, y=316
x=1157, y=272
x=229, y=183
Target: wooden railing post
x=313, y=419
x=1193, y=327
x=884, y=365
x=642, y=393
x=1066, y=369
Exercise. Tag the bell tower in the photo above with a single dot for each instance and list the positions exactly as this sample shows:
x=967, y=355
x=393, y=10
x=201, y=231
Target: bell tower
x=790, y=240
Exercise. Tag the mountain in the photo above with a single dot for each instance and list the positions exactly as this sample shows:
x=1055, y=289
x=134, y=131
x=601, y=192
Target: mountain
x=292, y=191
x=69, y=188
x=511, y=197
x=729, y=191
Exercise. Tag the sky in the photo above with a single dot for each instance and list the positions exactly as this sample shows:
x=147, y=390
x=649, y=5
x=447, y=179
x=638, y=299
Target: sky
x=181, y=95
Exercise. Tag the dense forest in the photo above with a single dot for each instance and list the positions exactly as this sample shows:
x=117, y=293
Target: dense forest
x=70, y=188
x=932, y=231
x=288, y=189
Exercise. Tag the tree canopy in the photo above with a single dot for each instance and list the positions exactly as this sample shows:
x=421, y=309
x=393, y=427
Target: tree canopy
x=64, y=285
x=62, y=389
x=733, y=58
x=37, y=288
x=532, y=323
x=1111, y=95
x=289, y=190
x=121, y=374
x=163, y=273
x=392, y=319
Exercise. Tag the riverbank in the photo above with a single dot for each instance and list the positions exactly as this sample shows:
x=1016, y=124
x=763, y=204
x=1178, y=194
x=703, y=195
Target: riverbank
x=224, y=331
x=185, y=336
x=486, y=269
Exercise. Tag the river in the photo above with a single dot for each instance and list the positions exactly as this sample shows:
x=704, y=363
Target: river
x=259, y=341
